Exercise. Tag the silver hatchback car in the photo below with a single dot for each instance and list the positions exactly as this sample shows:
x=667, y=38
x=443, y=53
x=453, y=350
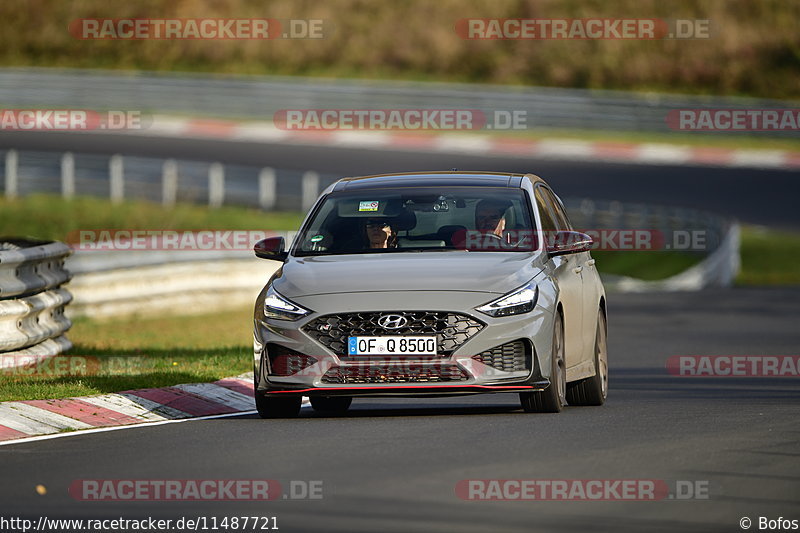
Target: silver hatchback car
x=431, y=284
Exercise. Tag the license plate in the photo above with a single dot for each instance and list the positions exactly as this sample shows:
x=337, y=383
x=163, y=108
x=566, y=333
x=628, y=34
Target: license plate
x=393, y=345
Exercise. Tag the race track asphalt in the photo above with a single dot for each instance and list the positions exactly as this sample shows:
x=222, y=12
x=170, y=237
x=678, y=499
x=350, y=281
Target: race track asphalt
x=393, y=464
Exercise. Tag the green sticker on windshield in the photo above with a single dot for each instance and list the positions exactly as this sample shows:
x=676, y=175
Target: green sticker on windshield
x=317, y=238
x=368, y=205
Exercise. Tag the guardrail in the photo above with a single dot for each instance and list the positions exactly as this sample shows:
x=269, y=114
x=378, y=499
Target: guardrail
x=163, y=181
x=718, y=269
x=261, y=97
x=182, y=288
x=121, y=282
x=32, y=302
x=682, y=230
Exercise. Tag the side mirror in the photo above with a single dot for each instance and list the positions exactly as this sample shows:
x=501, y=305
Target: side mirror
x=271, y=248
x=569, y=242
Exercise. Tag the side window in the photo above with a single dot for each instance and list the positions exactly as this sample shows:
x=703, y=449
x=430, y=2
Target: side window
x=562, y=220
x=548, y=224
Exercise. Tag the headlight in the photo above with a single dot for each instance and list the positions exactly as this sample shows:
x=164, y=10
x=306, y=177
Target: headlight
x=278, y=307
x=522, y=300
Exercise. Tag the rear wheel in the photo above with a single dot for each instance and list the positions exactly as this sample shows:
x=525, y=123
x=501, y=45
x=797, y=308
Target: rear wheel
x=331, y=405
x=553, y=398
x=594, y=390
x=278, y=406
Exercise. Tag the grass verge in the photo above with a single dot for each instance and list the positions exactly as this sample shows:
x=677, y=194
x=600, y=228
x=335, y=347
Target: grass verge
x=51, y=217
x=644, y=264
x=138, y=352
x=769, y=257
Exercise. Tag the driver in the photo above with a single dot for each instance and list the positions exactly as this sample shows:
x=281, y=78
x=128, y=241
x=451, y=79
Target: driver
x=380, y=233
x=490, y=216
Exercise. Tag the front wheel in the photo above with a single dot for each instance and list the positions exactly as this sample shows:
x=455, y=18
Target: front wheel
x=594, y=390
x=553, y=398
x=278, y=406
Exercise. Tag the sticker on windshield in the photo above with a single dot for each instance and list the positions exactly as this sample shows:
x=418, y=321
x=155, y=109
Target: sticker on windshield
x=368, y=206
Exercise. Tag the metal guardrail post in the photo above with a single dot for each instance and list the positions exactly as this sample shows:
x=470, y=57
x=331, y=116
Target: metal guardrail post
x=116, y=179
x=11, y=174
x=216, y=185
x=617, y=213
x=67, y=175
x=266, y=188
x=587, y=212
x=310, y=187
x=169, y=183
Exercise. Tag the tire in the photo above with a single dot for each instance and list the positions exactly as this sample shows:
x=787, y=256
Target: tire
x=278, y=406
x=331, y=405
x=594, y=390
x=553, y=398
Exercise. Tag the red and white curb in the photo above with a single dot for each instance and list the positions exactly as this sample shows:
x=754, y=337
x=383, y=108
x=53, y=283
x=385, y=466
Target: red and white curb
x=29, y=418
x=473, y=144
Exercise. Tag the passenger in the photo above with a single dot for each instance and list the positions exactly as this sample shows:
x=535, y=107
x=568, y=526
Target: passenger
x=380, y=233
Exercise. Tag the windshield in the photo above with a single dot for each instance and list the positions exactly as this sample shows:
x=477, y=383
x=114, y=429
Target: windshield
x=483, y=219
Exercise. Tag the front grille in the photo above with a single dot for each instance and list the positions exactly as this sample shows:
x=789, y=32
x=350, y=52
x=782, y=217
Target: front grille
x=403, y=373
x=509, y=357
x=452, y=330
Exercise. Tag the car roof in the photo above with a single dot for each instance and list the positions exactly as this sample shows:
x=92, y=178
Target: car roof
x=434, y=179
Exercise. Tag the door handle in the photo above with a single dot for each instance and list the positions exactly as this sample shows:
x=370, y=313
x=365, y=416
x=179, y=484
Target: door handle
x=577, y=270
x=590, y=262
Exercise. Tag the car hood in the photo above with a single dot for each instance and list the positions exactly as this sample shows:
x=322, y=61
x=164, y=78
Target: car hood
x=493, y=272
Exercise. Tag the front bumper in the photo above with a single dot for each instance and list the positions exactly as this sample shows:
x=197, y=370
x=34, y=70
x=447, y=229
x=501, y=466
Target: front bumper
x=477, y=365
x=416, y=391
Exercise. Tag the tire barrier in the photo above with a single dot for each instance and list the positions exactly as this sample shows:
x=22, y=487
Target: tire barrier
x=32, y=301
